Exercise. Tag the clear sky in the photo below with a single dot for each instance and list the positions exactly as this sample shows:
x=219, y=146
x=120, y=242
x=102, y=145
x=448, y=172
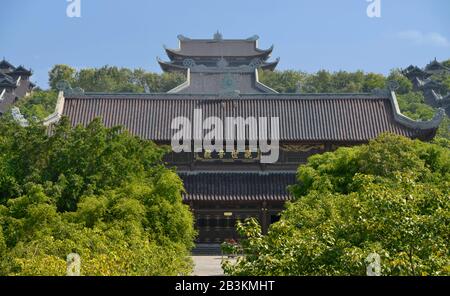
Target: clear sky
x=308, y=35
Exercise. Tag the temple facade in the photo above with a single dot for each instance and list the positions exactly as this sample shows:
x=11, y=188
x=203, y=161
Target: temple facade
x=222, y=81
x=14, y=84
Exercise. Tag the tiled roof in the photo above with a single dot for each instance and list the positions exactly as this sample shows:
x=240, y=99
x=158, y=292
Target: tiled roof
x=6, y=80
x=218, y=48
x=21, y=70
x=5, y=64
x=212, y=186
x=319, y=117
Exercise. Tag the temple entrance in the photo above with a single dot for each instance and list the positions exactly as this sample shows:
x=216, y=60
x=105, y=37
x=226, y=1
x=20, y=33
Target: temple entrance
x=217, y=223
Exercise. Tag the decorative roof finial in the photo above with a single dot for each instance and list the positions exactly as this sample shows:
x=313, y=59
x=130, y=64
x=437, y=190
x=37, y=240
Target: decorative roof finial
x=218, y=36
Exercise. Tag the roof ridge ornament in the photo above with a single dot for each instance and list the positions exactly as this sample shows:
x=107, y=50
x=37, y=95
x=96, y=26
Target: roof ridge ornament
x=65, y=87
x=392, y=85
x=218, y=36
x=380, y=92
x=253, y=38
x=183, y=38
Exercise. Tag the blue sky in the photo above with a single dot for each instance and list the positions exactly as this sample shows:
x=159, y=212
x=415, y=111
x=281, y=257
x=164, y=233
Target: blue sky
x=308, y=35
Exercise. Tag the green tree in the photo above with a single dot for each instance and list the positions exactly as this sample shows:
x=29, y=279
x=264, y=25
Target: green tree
x=59, y=73
x=373, y=81
x=38, y=104
x=390, y=197
x=93, y=190
x=404, y=85
x=412, y=104
x=282, y=81
x=446, y=63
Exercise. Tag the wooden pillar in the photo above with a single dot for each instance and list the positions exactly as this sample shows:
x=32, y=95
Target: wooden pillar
x=264, y=222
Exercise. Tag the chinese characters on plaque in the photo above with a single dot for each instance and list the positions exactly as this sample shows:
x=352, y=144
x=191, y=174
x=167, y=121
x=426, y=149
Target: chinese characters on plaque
x=246, y=155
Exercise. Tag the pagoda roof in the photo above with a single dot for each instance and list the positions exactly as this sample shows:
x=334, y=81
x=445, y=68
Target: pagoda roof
x=430, y=83
x=413, y=71
x=218, y=47
x=173, y=67
x=4, y=64
x=303, y=117
x=270, y=65
x=435, y=65
x=243, y=186
x=170, y=67
x=7, y=81
x=21, y=71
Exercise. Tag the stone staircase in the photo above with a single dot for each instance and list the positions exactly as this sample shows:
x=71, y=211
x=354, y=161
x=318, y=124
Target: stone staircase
x=206, y=250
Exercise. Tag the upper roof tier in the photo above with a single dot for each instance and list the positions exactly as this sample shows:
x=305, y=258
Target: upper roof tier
x=435, y=66
x=21, y=71
x=218, y=55
x=8, y=69
x=218, y=47
x=4, y=64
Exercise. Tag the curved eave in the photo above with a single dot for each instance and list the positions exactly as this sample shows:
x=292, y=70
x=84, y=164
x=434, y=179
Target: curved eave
x=7, y=83
x=430, y=125
x=264, y=54
x=5, y=64
x=270, y=66
x=22, y=73
x=265, y=51
x=169, y=67
x=431, y=85
x=420, y=72
x=172, y=53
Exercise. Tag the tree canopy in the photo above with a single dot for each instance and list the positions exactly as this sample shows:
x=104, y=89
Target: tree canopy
x=390, y=197
x=96, y=191
x=114, y=79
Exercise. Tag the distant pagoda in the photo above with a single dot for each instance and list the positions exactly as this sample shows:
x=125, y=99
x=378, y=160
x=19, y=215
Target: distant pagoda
x=14, y=84
x=224, y=66
x=434, y=91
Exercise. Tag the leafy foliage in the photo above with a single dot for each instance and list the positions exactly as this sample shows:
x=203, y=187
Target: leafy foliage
x=95, y=191
x=114, y=79
x=446, y=63
x=322, y=82
x=390, y=197
x=412, y=104
x=39, y=104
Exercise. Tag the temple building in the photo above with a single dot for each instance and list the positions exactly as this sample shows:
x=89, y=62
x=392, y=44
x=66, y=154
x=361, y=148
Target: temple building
x=222, y=82
x=14, y=84
x=219, y=66
x=434, y=92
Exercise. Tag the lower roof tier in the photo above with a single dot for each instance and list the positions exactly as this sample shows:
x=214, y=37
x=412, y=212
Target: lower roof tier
x=237, y=186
